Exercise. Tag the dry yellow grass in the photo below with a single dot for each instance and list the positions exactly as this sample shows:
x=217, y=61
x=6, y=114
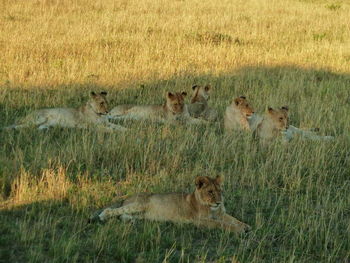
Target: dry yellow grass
x=48, y=42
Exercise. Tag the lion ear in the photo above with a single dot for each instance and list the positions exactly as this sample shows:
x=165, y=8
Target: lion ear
x=207, y=87
x=184, y=93
x=285, y=108
x=170, y=95
x=237, y=101
x=219, y=179
x=270, y=109
x=243, y=97
x=200, y=181
x=103, y=93
x=93, y=94
x=194, y=87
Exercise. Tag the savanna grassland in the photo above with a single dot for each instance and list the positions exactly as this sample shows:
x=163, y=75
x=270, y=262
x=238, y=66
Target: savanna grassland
x=295, y=196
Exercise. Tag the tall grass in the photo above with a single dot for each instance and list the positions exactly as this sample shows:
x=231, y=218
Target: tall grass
x=295, y=196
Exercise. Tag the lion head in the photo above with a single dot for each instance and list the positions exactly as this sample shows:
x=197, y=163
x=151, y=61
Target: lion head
x=279, y=117
x=175, y=102
x=98, y=102
x=244, y=107
x=200, y=93
x=208, y=191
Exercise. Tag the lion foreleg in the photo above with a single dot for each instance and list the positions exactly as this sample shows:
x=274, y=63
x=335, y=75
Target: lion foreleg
x=227, y=222
x=238, y=225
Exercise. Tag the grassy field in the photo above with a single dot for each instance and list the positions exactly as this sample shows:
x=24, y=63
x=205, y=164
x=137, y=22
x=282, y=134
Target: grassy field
x=295, y=196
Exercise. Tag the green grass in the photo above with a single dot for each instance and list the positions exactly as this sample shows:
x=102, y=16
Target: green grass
x=295, y=196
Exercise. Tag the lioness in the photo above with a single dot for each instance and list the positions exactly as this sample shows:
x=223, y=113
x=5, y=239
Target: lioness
x=204, y=207
x=237, y=115
x=273, y=123
x=173, y=109
x=91, y=114
x=198, y=108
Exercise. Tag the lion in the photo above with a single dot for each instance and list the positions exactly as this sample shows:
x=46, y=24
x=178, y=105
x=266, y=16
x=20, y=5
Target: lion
x=275, y=123
x=92, y=114
x=238, y=114
x=198, y=108
x=203, y=207
x=272, y=124
x=173, y=109
x=309, y=134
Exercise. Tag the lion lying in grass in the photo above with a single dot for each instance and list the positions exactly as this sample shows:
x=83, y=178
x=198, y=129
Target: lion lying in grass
x=90, y=115
x=275, y=123
x=272, y=125
x=204, y=207
x=199, y=108
x=174, y=109
x=237, y=115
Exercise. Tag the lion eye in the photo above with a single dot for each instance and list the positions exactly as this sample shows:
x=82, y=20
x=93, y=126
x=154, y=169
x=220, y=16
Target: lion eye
x=102, y=103
x=281, y=119
x=210, y=192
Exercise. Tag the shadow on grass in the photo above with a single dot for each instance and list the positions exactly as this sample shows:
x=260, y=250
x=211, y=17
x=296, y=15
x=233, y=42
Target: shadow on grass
x=25, y=230
x=53, y=231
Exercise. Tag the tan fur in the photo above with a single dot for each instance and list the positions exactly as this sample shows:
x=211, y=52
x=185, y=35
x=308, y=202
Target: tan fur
x=199, y=108
x=173, y=109
x=203, y=207
x=92, y=114
x=293, y=132
x=271, y=126
x=273, y=123
x=237, y=115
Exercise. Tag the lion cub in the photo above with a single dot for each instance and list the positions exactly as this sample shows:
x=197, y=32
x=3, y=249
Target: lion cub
x=173, y=109
x=199, y=104
x=237, y=115
x=204, y=207
x=272, y=124
x=91, y=114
